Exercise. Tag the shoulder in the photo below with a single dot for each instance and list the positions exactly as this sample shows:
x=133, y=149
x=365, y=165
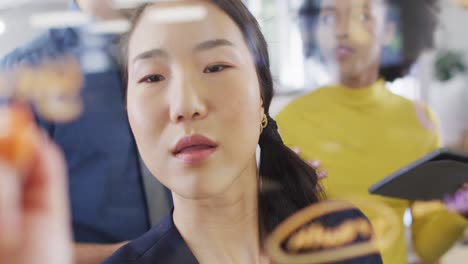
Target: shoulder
x=162, y=244
x=308, y=102
x=424, y=116
x=50, y=44
x=315, y=96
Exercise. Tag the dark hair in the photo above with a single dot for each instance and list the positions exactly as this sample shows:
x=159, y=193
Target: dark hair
x=416, y=22
x=279, y=166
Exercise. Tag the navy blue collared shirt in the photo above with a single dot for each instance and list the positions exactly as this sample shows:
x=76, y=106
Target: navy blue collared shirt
x=163, y=244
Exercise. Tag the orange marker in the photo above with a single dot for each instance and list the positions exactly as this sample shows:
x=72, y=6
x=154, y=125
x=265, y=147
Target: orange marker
x=18, y=136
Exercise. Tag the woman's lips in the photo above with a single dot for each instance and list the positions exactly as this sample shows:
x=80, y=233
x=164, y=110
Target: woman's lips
x=194, y=149
x=343, y=52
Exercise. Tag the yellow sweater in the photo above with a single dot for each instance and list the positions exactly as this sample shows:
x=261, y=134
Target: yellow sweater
x=361, y=136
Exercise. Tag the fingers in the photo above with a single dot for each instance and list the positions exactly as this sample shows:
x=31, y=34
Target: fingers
x=45, y=209
x=459, y=201
x=319, y=187
x=10, y=207
x=316, y=164
x=45, y=187
x=321, y=174
x=296, y=150
x=34, y=216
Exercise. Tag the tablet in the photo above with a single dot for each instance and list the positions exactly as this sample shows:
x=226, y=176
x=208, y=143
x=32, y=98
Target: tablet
x=432, y=177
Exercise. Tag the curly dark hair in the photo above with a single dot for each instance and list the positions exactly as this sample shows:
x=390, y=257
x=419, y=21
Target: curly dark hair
x=417, y=21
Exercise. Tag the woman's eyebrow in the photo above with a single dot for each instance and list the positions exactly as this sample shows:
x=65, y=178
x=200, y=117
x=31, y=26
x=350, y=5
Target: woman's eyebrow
x=211, y=44
x=160, y=53
x=151, y=54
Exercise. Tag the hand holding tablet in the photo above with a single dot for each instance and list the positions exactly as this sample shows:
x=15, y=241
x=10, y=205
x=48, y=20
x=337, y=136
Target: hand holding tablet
x=433, y=177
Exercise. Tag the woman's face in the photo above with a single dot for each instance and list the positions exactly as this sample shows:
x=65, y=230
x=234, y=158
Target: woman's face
x=351, y=35
x=193, y=100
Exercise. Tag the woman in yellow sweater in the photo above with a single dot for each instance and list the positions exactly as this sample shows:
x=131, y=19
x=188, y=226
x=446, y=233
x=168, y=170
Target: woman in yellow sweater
x=359, y=130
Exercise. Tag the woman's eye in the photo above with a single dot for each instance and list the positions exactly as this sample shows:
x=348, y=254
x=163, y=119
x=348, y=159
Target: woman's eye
x=328, y=19
x=215, y=68
x=152, y=78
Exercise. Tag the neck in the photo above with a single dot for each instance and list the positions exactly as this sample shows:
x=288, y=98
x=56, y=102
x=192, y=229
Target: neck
x=222, y=228
x=360, y=80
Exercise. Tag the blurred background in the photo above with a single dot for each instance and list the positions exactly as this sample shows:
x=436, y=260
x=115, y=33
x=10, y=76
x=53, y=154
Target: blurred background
x=438, y=78
x=442, y=88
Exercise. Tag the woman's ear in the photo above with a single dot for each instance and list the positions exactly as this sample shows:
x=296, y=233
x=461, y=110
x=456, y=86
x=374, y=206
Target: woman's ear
x=262, y=108
x=262, y=112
